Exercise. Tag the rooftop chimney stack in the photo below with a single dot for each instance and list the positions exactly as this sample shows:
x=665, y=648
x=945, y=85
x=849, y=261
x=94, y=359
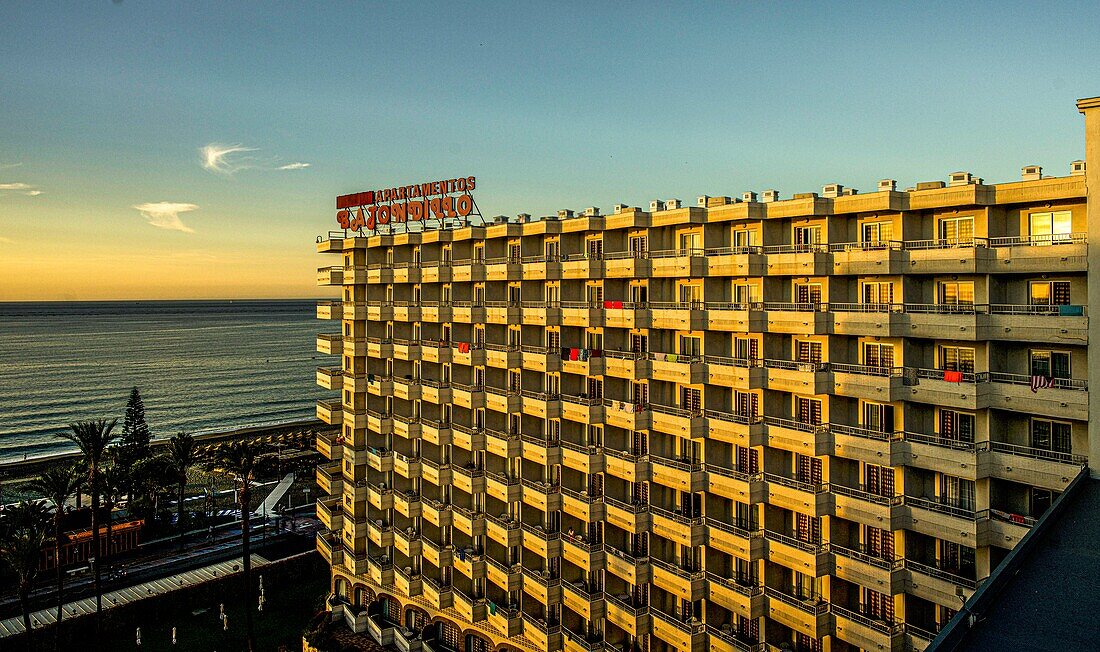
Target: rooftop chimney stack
x=1031, y=173
x=654, y=205
x=672, y=204
x=832, y=190
x=768, y=196
x=592, y=211
x=1077, y=169
x=960, y=179
x=619, y=208
x=701, y=202
x=749, y=196
x=888, y=185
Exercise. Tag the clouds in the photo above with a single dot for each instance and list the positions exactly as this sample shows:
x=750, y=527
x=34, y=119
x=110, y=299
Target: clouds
x=225, y=159
x=4, y=240
x=230, y=159
x=19, y=187
x=166, y=215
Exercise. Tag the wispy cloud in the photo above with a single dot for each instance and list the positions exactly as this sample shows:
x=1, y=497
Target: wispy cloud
x=166, y=215
x=294, y=166
x=4, y=240
x=225, y=159
x=8, y=166
x=21, y=188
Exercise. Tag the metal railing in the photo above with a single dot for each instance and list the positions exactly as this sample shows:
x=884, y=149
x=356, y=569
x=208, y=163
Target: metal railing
x=868, y=558
x=799, y=485
x=939, y=573
x=864, y=433
x=967, y=513
x=864, y=495
x=811, y=605
x=814, y=548
x=691, y=627
x=886, y=627
x=1037, y=453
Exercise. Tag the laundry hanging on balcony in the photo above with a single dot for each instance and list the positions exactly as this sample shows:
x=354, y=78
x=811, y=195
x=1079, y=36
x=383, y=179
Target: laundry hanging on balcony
x=953, y=376
x=1041, y=382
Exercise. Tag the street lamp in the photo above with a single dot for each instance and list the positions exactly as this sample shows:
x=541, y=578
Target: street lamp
x=138, y=636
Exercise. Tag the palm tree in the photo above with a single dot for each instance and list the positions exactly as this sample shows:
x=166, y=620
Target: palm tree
x=183, y=455
x=242, y=460
x=58, y=483
x=93, y=438
x=21, y=539
x=112, y=486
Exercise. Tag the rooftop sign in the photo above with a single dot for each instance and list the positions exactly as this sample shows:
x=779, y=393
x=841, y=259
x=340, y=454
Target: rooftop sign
x=437, y=204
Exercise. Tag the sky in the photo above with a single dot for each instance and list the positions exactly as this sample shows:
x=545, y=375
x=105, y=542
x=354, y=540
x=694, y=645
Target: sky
x=168, y=150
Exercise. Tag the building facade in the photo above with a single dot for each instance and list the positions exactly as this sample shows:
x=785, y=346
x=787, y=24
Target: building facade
x=814, y=423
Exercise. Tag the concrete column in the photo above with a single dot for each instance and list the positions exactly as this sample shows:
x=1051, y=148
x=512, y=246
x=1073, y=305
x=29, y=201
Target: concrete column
x=1091, y=109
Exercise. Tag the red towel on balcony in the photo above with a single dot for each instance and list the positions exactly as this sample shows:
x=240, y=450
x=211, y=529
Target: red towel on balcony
x=608, y=304
x=617, y=304
x=953, y=376
x=463, y=347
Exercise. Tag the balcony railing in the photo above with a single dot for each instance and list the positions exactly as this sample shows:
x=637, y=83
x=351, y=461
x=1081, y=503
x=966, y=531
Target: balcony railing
x=731, y=473
x=685, y=413
x=938, y=573
x=882, y=626
x=685, y=573
x=1037, y=453
x=805, y=546
x=1039, y=240
x=743, y=530
x=733, y=417
x=811, y=605
x=939, y=440
x=791, y=424
x=949, y=509
x=865, y=433
x=684, y=464
x=807, y=487
x=1024, y=379
x=1013, y=518
x=690, y=627
x=867, y=558
x=794, y=365
x=676, y=516
x=864, y=495
x=749, y=589
x=730, y=639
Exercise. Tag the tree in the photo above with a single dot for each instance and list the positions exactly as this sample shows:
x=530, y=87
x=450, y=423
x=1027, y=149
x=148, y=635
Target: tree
x=93, y=438
x=113, y=482
x=242, y=460
x=182, y=454
x=21, y=539
x=59, y=483
x=135, y=431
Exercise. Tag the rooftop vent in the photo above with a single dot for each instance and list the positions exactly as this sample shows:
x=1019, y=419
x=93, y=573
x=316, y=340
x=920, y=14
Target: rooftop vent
x=930, y=185
x=749, y=196
x=523, y=217
x=769, y=196
x=1031, y=173
x=672, y=204
x=805, y=195
x=1077, y=168
x=887, y=185
x=960, y=179
x=592, y=211
x=701, y=202
x=619, y=208
x=655, y=205
x=848, y=192
x=565, y=213
x=832, y=190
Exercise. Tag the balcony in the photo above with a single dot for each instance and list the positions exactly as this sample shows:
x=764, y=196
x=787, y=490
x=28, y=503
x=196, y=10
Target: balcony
x=435, y=512
x=684, y=636
x=947, y=521
x=736, y=317
x=405, y=466
x=736, y=373
x=869, y=258
x=582, y=409
x=867, y=445
x=438, y=351
x=501, y=312
x=721, y=640
x=625, y=314
x=330, y=310
x=541, y=495
x=540, y=313
x=626, y=364
x=683, y=474
x=809, y=616
x=379, y=273
x=938, y=585
x=503, y=444
x=380, y=535
x=632, y=517
x=435, y=473
x=435, y=311
x=678, y=263
x=503, y=356
x=626, y=264
x=678, y=421
x=379, y=347
x=544, y=636
x=866, y=632
x=436, y=432
x=464, y=271
x=869, y=570
x=577, y=597
x=380, y=385
x=380, y=460
x=330, y=513
x=503, y=400
x=587, y=508
x=621, y=612
x=744, y=430
x=543, y=586
x=862, y=506
x=407, y=543
x=330, y=478
x=379, y=497
x=467, y=438
x=468, y=312
x=406, y=427
x=677, y=316
x=435, y=554
x=676, y=527
x=869, y=319
x=683, y=583
x=581, y=313
x=407, y=581
x=408, y=388
x=328, y=544
x=1033, y=466
x=1040, y=253
x=581, y=267
x=406, y=311
x=582, y=552
x=330, y=343
x=508, y=578
x=745, y=600
x=1066, y=398
x=797, y=496
x=743, y=487
x=503, y=488
x=435, y=271
x=437, y=595
x=504, y=529
x=503, y=269
x=736, y=261
x=798, y=318
x=330, y=445
x=957, y=457
x=954, y=256
x=868, y=382
x=544, y=405
x=634, y=570
x=541, y=451
x=406, y=272
x=505, y=622
x=799, y=260
x=544, y=543
x=811, y=559
x=737, y=540
x=946, y=321
x=407, y=503
x=468, y=521
x=797, y=437
x=799, y=377
x=471, y=397
x=1008, y=528
x=468, y=478
x=586, y=459
x=469, y=563
x=331, y=412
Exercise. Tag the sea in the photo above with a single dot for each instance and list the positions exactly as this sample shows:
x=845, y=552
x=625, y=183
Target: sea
x=200, y=366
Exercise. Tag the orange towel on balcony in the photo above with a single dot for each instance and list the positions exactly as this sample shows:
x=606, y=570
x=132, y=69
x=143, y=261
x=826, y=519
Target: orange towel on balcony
x=953, y=376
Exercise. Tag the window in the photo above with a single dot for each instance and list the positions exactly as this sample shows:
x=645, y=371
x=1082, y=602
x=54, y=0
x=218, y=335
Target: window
x=878, y=417
x=956, y=231
x=878, y=542
x=807, y=352
x=595, y=249
x=806, y=237
x=957, y=358
x=808, y=410
x=691, y=294
x=513, y=337
x=957, y=492
x=1050, y=364
x=879, y=480
x=514, y=382
x=878, y=355
x=479, y=253
x=690, y=241
x=807, y=293
x=595, y=294
x=639, y=244
x=1051, y=435
x=514, y=253
x=639, y=343
x=743, y=238
x=747, y=460
x=956, y=293
x=746, y=404
x=691, y=399
x=876, y=233
x=550, y=249
x=1049, y=293
x=553, y=340
x=1050, y=228
x=807, y=528
x=958, y=426
x=446, y=255
x=593, y=340
x=744, y=293
x=878, y=293
x=878, y=605
x=552, y=293
x=745, y=348
x=595, y=388
x=957, y=558
x=691, y=345
x=639, y=294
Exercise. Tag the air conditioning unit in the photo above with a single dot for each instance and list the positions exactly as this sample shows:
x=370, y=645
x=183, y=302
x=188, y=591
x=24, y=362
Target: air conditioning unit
x=832, y=190
x=769, y=196
x=655, y=205
x=1031, y=172
x=701, y=202
x=887, y=185
x=592, y=211
x=620, y=208
x=960, y=179
x=749, y=196
x=672, y=204
x=1077, y=168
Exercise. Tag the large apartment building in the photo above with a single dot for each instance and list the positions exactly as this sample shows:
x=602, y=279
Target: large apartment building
x=812, y=423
